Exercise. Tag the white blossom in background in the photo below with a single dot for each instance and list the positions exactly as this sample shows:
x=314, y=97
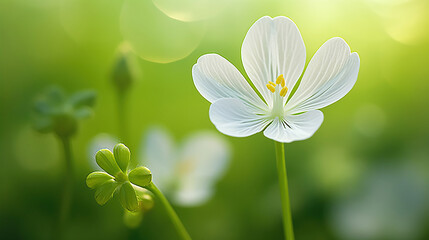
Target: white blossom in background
x=274, y=55
x=391, y=203
x=187, y=173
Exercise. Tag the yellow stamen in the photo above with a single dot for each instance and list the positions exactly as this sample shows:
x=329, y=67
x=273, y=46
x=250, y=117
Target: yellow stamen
x=272, y=83
x=280, y=79
x=283, y=82
x=283, y=91
x=271, y=88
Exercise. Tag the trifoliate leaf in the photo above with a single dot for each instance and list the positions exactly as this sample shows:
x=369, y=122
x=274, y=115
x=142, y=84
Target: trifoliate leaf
x=140, y=176
x=105, y=192
x=82, y=113
x=128, y=197
x=84, y=98
x=96, y=179
x=106, y=161
x=122, y=156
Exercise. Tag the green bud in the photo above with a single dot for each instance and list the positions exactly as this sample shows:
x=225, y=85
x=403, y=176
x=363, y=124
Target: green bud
x=96, y=179
x=121, y=75
x=146, y=202
x=106, y=161
x=133, y=219
x=140, y=176
x=145, y=198
x=105, y=192
x=84, y=98
x=122, y=156
x=65, y=125
x=128, y=197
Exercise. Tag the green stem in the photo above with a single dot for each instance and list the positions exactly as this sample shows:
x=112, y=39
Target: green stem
x=180, y=228
x=284, y=191
x=122, y=123
x=67, y=187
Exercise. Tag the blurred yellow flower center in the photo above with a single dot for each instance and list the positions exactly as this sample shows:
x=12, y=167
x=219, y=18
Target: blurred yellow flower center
x=279, y=82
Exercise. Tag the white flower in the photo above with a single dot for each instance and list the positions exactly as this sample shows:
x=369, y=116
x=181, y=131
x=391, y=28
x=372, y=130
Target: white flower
x=187, y=174
x=273, y=55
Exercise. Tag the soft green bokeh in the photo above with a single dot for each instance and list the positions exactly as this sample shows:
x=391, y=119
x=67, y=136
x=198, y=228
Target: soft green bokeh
x=379, y=130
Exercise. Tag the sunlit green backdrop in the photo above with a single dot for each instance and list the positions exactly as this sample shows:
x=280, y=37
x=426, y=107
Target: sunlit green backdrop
x=364, y=175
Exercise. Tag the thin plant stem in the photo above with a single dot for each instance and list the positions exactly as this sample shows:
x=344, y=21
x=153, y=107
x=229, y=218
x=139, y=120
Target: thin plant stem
x=284, y=191
x=67, y=187
x=180, y=228
x=122, y=117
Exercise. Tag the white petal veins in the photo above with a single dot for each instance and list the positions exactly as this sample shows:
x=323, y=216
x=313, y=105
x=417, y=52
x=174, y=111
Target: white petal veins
x=232, y=117
x=270, y=48
x=330, y=75
x=216, y=78
x=294, y=127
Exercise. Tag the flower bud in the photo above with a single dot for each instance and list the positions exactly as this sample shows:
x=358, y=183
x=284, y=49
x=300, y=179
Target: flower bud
x=128, y=197
x=96, y=179
x=140, y=176
x=65, y=125
x=106, y=161
x=122, y=156
x=146, y=202
x=133, y=219
x=121, y=75
x=105, y=192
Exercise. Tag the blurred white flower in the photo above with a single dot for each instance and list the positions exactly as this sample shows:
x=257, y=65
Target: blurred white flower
x=390, y=204
x=273, y=55
x=186, y=173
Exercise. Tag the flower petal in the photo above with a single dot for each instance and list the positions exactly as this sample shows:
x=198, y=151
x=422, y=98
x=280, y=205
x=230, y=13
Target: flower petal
x=106, y=161
x=301, y=126
x=216, y=78
x=105, y=191
x=128, y=197
x=122, y=156
x=96, y=179
x=140, y=176
x=273, y=47
x=203, y=160
x=232, y=117
x=159, y=156
x=330, y=75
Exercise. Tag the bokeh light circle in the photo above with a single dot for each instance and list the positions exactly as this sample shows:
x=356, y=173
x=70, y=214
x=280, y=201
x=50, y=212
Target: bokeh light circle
x=190, y=10
x=156, y=37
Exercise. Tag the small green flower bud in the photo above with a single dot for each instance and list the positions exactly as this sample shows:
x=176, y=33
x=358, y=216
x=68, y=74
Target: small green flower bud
x=145, y=198
x=128, y=197
x=146, y=202
x=133, y=219
x=65, y=125
x=140, y=176
x=105, y=192
x=106, y=161
x=121, y=75
x=96, y=179
x=122, y=156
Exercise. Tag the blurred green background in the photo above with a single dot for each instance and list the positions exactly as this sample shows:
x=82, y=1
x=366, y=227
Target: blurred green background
x=363, y=175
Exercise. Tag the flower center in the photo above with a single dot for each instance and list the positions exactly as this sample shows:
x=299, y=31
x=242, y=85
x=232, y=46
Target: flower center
x=278, y=99
x=279, y=82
